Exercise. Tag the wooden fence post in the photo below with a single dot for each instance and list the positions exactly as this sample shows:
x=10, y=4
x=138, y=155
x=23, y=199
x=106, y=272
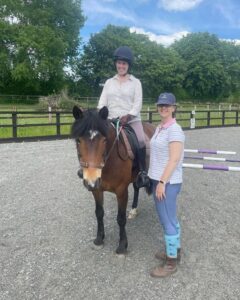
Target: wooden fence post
x=50, y=114
x=58, y=123
x=223, y=118
x=237, y=117
x=192, y=119
x=150, y=117
x=14, y=124
x=208, y=118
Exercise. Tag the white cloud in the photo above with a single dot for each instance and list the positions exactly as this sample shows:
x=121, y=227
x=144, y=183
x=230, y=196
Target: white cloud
x=99, y=13
x=235, y=41
x=93, y=8
x=178, y=5
x=165, y=40
x=159, y=26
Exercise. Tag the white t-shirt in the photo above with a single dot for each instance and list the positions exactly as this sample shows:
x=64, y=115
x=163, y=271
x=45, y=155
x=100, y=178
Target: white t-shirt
x=159, y=152
x=122, y=98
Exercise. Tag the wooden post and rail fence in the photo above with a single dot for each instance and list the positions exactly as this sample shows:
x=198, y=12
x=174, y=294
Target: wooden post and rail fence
x=14, y=121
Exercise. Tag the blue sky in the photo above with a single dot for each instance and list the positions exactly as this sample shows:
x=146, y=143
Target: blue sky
x=164, y=20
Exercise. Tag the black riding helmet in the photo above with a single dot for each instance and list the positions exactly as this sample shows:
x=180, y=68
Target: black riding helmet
x=123, y=53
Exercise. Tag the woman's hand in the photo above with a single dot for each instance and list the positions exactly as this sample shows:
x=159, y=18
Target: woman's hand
x=160, y=191
x=125, y=119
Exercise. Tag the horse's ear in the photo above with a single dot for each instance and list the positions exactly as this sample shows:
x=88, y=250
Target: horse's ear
x=103, y=112
x=77, y=112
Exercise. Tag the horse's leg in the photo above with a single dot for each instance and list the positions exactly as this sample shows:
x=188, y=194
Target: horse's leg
x=98, y=196
x=134, y=211
x=121, y=219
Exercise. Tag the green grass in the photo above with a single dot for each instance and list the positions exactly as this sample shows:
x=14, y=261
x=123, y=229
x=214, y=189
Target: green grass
x=30, y=131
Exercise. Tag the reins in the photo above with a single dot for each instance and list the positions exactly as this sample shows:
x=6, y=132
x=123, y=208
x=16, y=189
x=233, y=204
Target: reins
x=118, y=131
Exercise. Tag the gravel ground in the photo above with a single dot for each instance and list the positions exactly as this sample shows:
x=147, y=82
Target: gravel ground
x=47, y=224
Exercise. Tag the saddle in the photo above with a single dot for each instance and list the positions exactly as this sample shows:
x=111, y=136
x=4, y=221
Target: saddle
x=129, y=139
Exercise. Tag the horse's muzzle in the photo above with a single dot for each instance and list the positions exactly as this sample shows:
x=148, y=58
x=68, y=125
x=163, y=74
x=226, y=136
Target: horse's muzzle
x=92, y=185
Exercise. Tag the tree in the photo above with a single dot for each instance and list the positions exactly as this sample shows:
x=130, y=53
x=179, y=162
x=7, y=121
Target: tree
x=206, y=76
x=231, y=63
x=158, y=68
x=38, y=39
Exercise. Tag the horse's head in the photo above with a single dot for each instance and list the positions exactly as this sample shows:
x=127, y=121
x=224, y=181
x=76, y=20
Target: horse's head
x=90, y=131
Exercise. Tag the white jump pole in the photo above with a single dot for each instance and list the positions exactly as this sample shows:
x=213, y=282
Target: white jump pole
x=208, y=151
x=211, y=158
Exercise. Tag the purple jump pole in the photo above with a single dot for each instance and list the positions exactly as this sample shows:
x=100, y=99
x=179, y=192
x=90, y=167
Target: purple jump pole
x=211, y=167
x=217, y=168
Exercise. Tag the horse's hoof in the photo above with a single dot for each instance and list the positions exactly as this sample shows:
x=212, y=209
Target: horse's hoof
x=122, y=249
x=133, y=213
x=121, y=252
x=121, y=255
x=97, y=245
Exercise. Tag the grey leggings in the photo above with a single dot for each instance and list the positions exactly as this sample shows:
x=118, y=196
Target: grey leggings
x=138, y=128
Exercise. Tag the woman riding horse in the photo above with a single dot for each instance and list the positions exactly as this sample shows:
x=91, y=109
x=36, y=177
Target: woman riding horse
x=122, y=94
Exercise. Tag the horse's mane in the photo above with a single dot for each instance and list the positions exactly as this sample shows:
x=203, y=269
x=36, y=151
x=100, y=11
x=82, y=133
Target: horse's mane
x=90, y=120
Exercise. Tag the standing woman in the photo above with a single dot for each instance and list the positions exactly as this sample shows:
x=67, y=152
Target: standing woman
x=165, y=172
x=122, y=94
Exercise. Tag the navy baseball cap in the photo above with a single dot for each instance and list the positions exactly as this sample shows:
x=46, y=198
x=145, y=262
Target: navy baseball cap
x=166, y=98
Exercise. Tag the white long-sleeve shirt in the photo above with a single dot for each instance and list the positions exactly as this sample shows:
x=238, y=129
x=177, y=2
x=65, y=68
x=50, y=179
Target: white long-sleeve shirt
x=122, y=98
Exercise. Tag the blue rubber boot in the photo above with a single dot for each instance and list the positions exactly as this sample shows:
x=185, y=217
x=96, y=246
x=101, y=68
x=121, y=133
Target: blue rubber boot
x=171, y=245
x=179, y=236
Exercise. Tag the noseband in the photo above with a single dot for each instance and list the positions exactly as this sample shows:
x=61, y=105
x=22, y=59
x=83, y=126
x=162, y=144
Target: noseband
x=85, y=164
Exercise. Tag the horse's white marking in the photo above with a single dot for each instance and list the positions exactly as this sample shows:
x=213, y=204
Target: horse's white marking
x=93, y=133
x=133, y=213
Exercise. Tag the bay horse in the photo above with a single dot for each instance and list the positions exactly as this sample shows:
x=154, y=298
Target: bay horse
x=106, y=166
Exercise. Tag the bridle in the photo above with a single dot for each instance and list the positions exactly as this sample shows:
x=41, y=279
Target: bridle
x=85, y=164
x=106, y=156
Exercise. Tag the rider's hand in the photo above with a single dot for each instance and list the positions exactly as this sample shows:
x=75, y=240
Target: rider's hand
x=125, y=119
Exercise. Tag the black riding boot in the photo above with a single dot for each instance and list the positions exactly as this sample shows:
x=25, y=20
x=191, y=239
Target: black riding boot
x=142, y=178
